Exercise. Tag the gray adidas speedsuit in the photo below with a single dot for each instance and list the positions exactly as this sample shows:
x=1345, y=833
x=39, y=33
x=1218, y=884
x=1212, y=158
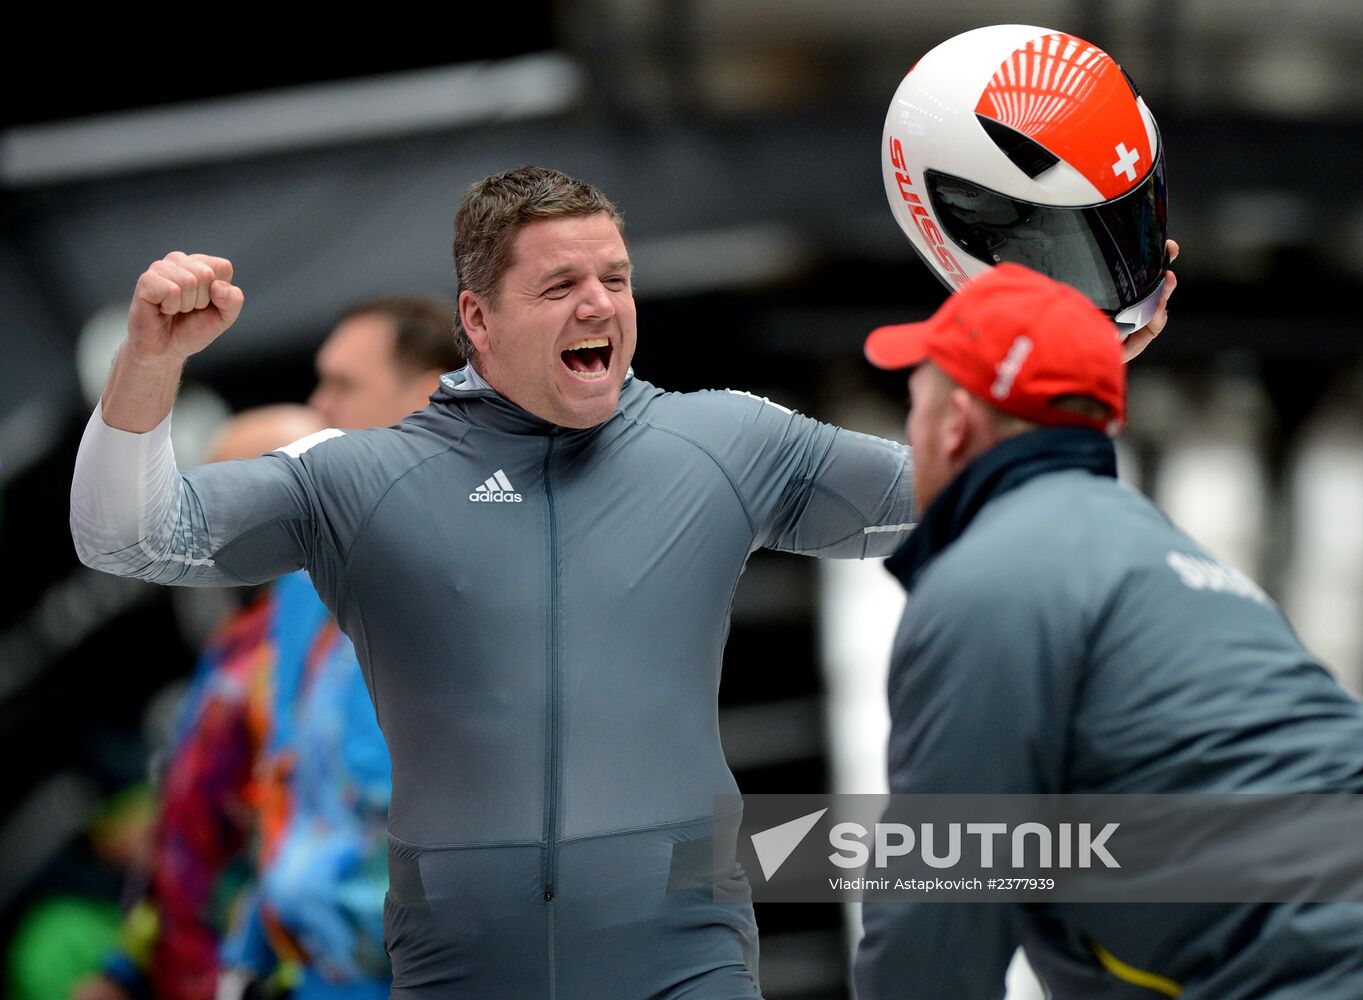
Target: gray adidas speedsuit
x=545, y=659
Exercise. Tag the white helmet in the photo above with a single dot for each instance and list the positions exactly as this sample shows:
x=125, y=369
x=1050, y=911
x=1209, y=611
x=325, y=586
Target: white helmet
x=1024, y=144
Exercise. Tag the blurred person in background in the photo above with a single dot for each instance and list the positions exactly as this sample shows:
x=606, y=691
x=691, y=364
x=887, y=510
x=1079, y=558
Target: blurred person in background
x=1061, y=636
x=324, y=784
x=383, y=359
x=278, y=742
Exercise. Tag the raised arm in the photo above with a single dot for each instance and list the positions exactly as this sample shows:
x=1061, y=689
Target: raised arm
x=132, y=513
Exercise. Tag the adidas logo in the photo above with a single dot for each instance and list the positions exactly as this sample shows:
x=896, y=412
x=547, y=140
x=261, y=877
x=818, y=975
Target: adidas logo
x=497, y=489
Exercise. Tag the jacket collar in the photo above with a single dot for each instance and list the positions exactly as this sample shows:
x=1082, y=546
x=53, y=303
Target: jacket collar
x=466, y=391
x=1002, y=468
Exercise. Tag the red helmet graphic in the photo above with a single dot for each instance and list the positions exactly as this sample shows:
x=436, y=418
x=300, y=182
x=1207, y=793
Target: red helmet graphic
x=1024, y=144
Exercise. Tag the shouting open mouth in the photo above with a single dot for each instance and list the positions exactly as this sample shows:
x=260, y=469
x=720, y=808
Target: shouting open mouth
x=588, y=359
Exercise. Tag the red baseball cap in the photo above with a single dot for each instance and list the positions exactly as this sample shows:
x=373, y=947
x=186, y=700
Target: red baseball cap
x=1017, y=340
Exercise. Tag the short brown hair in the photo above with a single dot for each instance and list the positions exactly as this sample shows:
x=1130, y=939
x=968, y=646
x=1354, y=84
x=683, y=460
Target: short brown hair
x=493, y=210
x=425, y=330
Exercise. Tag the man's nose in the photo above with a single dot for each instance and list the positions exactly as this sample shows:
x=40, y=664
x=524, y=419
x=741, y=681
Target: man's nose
x=596, y=302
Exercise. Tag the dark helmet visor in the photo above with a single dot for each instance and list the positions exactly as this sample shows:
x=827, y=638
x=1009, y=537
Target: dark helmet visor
x=1112, y=252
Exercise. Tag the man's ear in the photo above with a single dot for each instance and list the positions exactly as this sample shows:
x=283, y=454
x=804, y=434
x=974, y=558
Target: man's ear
x=959, y=429
x=473, y=314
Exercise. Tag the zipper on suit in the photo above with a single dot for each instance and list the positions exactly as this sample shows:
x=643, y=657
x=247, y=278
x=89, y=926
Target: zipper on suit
x=551, y=682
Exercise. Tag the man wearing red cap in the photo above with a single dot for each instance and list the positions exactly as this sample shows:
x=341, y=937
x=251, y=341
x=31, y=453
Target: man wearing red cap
x=1062, y=637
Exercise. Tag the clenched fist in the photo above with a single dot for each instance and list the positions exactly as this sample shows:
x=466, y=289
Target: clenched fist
x=181, y=304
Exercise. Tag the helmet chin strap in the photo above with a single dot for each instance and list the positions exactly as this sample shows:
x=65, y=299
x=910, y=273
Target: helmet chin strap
x=1133, y=317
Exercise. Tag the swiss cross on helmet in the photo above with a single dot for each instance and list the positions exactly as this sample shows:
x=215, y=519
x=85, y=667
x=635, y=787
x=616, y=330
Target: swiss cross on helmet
x=1023, y=144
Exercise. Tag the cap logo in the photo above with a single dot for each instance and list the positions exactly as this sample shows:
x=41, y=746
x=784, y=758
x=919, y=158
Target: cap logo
x=1006, y=371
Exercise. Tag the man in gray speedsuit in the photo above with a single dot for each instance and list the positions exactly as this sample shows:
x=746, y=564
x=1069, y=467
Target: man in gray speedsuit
x=537, y=571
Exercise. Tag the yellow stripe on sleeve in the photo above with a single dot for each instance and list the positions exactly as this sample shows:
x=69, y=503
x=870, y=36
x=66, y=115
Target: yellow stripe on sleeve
x=1136, y=977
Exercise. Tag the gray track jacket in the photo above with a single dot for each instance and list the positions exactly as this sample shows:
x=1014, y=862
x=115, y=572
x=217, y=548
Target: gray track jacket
x=1071, y=640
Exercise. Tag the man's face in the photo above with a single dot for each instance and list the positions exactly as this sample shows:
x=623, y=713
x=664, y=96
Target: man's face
x=359, y=381
x=559, y=338
x=928, y=433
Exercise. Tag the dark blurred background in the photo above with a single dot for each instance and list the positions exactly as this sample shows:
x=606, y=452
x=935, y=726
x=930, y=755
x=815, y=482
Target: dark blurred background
x=740, y=139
